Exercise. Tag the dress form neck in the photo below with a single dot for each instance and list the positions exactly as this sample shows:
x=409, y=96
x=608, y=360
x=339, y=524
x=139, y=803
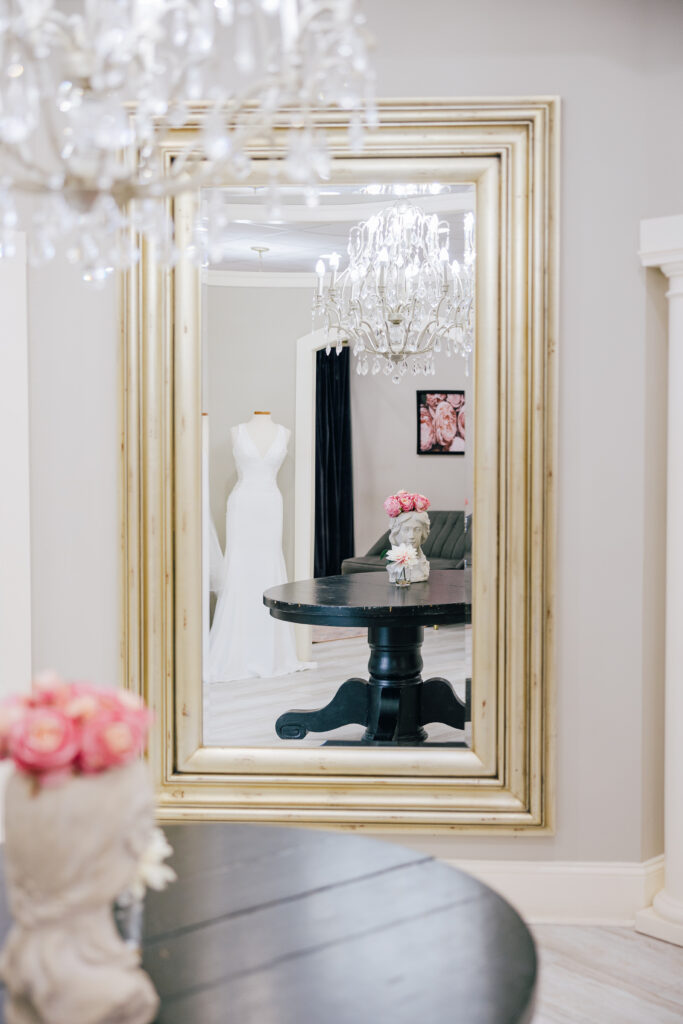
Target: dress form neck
x=262, y=430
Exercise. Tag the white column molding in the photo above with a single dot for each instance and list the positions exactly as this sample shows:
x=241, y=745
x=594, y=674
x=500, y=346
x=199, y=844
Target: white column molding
x=661, y=245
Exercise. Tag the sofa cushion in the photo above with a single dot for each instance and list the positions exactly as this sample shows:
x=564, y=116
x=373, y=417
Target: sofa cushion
x=446, y=536
x=446, y=547
x=363, y=563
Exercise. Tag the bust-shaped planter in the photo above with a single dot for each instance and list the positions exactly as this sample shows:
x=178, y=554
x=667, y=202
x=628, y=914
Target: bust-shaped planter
x=410, y=528
x=69, y=851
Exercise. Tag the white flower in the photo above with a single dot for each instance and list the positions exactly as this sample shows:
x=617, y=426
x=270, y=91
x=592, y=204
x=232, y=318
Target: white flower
x=403, y=554
x=152, y=872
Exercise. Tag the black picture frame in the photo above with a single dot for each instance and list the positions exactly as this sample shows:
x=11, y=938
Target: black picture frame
x=447, y=422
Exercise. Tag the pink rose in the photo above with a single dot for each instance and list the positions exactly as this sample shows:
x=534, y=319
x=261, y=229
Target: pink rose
x=445, y=424
x=47, y=688
x=421, y=503
x=392, y=506
x=11, y=711
x=113, y=737
x=434, y=398
x=81, y=706
x=406, y=501
x=456, y=399
x=44, y=741
x=427, y=436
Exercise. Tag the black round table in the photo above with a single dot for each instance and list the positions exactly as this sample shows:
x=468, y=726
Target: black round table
x=394, y=704
x=294, y=926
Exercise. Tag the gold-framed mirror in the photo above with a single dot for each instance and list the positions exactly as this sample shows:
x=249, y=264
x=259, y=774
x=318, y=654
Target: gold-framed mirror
x=503, y=153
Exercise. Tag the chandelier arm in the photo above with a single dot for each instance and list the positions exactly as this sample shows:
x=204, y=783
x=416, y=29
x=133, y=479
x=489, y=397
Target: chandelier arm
x=369, y=337
x=419, y=350
x=437, y=313
x=412, y=317
x=333, y=318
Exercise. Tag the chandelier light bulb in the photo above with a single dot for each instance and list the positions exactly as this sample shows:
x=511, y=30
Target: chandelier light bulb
x=400, y=299
x=89, y=97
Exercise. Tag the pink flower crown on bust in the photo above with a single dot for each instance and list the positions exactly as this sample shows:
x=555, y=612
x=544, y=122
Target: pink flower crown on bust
x=402, y=501
x=64, y=728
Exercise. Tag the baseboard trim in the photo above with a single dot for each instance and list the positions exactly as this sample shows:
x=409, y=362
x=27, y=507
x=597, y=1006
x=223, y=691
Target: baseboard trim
x=572, y=892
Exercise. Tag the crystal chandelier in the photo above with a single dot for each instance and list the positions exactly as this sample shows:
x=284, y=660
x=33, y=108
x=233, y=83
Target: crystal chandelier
x=87, y=98
x=400, y=300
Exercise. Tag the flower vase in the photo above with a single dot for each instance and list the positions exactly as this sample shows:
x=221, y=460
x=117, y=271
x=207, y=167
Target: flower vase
x=399, y=575
x=402, y=576
x=64, y=959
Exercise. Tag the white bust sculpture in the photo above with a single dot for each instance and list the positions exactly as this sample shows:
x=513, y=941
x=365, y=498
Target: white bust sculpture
x=66, y=860
x=411, y=528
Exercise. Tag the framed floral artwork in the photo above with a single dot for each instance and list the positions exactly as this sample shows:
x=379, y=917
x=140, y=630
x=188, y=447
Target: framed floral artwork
x=440, y=422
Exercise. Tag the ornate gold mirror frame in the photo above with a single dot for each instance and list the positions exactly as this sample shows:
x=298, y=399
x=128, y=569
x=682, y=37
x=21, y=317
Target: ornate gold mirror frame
x=509, y=148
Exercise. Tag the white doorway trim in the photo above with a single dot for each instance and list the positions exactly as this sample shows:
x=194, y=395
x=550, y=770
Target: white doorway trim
x=304, y=469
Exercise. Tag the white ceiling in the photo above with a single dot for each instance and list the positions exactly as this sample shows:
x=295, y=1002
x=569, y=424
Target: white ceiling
x=305, y=233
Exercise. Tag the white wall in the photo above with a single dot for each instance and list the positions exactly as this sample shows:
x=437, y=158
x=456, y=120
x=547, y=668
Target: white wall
x=384, y=441
x=74, y=429
x=15, y=538
x=617, y=66
x=250, y=336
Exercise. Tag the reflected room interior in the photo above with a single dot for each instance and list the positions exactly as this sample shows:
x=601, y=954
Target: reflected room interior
x=369, y=427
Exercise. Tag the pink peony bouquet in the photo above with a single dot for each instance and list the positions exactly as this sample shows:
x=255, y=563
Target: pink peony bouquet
x=64, y=728
x=402, y=501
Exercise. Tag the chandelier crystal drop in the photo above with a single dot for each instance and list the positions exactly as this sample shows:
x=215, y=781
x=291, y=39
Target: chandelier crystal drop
x=88, y=98
x=400, y=300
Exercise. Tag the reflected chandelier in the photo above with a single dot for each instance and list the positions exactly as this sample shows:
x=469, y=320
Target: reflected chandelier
x=400, y=300
x=88, y=98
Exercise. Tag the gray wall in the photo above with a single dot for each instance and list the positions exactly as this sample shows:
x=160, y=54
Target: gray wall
x=250, y=336
x=617, y=66
x=384, y=437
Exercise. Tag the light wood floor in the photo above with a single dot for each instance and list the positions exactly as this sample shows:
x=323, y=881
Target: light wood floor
x=243, y=713
x=592, y=975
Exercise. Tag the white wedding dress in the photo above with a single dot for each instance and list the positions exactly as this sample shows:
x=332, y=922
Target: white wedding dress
x=245, y=640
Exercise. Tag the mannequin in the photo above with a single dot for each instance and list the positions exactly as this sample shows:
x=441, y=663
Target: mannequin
x=262, y=430
x=244, y=640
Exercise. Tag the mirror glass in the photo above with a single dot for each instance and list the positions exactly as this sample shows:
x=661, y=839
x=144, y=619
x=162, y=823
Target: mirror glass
x=362, y=427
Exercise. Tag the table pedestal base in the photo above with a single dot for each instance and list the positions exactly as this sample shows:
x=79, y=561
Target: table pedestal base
x=394, y=704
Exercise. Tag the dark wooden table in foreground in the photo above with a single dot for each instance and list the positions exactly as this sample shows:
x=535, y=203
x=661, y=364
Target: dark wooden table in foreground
x=295, y=926
x=394, y=703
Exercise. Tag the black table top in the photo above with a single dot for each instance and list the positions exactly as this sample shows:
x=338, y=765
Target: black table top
x=295, y=926
x=368, y=598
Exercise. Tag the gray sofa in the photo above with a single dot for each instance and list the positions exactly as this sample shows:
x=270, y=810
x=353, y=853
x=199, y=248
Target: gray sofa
x=448, y=546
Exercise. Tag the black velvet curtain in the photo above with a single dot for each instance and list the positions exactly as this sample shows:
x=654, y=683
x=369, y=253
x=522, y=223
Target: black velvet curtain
x=333, y=463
